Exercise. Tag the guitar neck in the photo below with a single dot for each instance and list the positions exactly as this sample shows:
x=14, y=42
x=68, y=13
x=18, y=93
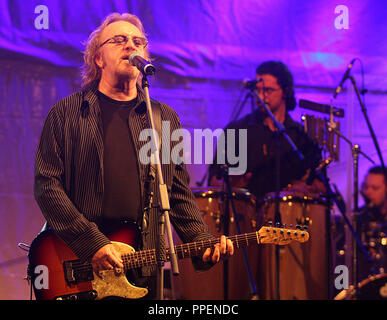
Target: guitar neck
x=194, y=249
x=148, y=257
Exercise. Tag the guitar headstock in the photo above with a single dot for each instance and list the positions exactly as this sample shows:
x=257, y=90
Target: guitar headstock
x=282, y=236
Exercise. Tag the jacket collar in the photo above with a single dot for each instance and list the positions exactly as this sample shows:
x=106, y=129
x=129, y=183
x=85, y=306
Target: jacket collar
x=90, y=99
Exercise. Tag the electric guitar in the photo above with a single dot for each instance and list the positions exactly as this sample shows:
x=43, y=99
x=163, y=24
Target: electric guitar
x=65, y=277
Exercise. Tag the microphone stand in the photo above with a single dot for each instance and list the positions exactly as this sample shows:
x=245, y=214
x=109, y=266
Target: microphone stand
x=164, y=222
x=356, y=210
x=230, y=200
x=239, y=109
x=247, y=96
x=280, y=127
x=355, y=152
x=277, y=215
x=356, y=242
x=363, y=109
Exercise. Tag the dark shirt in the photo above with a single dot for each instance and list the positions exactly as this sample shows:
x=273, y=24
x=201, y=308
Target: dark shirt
x=261, y=153
x=121, y=177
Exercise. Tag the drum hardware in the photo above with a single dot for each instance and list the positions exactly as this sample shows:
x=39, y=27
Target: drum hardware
x=327, y=134
x=356, y=243
x=372, y=288
x=356, y=151
x=230, y=201
x=303, y=269
x=299, y=226
x=209, y=285
x=217, y=214
x=305, y=221
x=218, y=222
x=280, y=132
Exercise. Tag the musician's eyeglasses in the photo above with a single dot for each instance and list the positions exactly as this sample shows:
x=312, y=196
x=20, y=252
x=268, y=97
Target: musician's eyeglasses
x=267, y=90
x=139, y=42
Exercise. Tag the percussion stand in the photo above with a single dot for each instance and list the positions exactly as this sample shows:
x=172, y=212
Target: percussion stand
x=164, y=222
x=356, y=242
x=355, y=152
x=333, y=196
x=278, y=133
x=230, y=200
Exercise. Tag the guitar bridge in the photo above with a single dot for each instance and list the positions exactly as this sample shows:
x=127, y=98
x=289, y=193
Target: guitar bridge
x=76, y=271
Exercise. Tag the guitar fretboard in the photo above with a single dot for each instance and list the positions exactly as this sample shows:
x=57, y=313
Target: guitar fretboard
x=148, y=257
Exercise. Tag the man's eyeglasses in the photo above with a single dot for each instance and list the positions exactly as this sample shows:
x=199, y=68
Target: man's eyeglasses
x=267, y=90
x=139, y=42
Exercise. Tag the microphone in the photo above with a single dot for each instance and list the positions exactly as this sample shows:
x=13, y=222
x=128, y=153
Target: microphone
x=144, y=66
x=345, y=77
x=250, y=84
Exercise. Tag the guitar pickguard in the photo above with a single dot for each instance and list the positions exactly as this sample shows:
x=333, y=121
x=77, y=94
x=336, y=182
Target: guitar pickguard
x=109, y=283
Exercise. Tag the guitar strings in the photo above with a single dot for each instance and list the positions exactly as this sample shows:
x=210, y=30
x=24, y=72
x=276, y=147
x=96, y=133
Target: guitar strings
x=138, y=259
x=148, y=257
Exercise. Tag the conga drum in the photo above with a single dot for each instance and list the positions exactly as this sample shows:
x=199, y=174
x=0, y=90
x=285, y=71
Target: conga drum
x=303, y=268
x=210, y=284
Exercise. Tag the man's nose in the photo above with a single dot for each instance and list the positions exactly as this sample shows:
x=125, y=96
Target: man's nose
x=129, y=45
x=260, y=92
x=367, y=192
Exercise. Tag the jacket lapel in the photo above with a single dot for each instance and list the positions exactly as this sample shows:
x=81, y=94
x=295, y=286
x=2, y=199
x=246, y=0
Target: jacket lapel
x=94, y=122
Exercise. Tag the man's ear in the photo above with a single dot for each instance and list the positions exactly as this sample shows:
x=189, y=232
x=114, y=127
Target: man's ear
x=99, y=60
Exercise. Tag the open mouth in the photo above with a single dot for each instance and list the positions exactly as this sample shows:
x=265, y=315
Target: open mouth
x=125, y=58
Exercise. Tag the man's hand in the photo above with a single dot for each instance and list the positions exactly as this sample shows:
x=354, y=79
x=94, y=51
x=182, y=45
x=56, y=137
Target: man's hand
x=106, y=258
x=221, y=250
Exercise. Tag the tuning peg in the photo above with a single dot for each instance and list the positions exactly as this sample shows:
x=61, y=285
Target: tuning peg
x=305, y=227
x=298, y=227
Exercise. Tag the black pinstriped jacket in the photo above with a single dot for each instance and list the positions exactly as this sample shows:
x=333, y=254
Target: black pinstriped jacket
x=68, y=185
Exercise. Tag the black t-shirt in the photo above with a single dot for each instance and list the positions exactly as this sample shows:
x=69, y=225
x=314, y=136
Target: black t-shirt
x=121, y=176
x=372, y=227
